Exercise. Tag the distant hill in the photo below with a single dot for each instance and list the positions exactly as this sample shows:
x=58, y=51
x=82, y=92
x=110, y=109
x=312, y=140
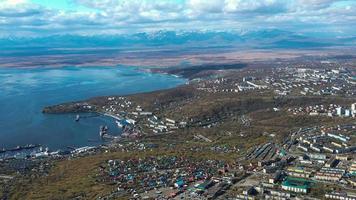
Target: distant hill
x=270, y=38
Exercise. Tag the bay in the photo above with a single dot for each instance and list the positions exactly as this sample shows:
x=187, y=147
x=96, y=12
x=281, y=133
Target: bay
x=24, y=92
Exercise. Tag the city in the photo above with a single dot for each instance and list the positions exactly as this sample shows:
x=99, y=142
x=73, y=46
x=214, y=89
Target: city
x=281, y=144
x=177, y=99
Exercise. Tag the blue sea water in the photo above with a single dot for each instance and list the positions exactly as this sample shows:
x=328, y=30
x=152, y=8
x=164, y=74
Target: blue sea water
x=24, y=93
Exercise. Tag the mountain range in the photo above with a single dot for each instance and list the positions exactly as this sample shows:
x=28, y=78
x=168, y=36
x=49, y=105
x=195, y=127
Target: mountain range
x=270, y=38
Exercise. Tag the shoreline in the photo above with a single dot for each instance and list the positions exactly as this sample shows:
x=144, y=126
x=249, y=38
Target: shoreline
x=91, y=129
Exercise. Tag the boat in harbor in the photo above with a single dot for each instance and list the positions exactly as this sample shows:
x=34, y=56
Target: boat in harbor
x=119, y=124
x=103, y=130
x=77, y=118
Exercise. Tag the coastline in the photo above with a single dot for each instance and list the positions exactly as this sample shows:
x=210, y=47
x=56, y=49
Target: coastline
x=207, y=119
x=54, y=86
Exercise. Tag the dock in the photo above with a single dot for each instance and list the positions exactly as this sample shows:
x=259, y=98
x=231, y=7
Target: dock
x=113, y=116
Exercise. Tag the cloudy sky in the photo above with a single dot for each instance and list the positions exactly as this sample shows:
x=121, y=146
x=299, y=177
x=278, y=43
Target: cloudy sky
x=87, y=17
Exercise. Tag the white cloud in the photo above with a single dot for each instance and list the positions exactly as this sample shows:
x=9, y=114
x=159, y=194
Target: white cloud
x=114, y=16
x=205, y=6
x=11, y=3
x=252, y=6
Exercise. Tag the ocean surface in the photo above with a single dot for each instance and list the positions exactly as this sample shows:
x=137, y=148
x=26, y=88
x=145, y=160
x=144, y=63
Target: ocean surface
x=24, y=92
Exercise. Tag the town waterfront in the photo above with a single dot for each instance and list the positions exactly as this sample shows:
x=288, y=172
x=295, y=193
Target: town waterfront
x=24, y=93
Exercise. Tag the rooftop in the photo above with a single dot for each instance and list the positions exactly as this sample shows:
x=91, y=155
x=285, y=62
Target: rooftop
x=296, y=182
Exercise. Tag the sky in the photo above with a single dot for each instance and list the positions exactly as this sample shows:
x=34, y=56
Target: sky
x=334, y=18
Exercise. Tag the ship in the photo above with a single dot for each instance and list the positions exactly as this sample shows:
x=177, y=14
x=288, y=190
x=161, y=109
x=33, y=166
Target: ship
x=103, y=130
x=77, y=118
x=119, y=124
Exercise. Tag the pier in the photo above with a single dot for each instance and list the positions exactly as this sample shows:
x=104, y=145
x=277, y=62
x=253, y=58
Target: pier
x=113, y=116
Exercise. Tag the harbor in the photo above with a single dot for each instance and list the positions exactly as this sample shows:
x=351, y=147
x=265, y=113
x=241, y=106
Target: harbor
x=25, y=123
x=105, y=135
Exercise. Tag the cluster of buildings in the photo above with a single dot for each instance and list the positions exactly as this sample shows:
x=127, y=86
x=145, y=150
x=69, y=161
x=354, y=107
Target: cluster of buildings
x=295, y=180
x=266, y=151
x=328, y=141
x=250, y=83
x=340, y=196
x=158, y=125
x=287, y=188
x=331, y=110
x=166, y=177
x=312, y=81
x=310, y=158
x=115, y=104
x=217, y=85
x=232, y=85
x=286, y=80
x=346, y=112
x=135, y=120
